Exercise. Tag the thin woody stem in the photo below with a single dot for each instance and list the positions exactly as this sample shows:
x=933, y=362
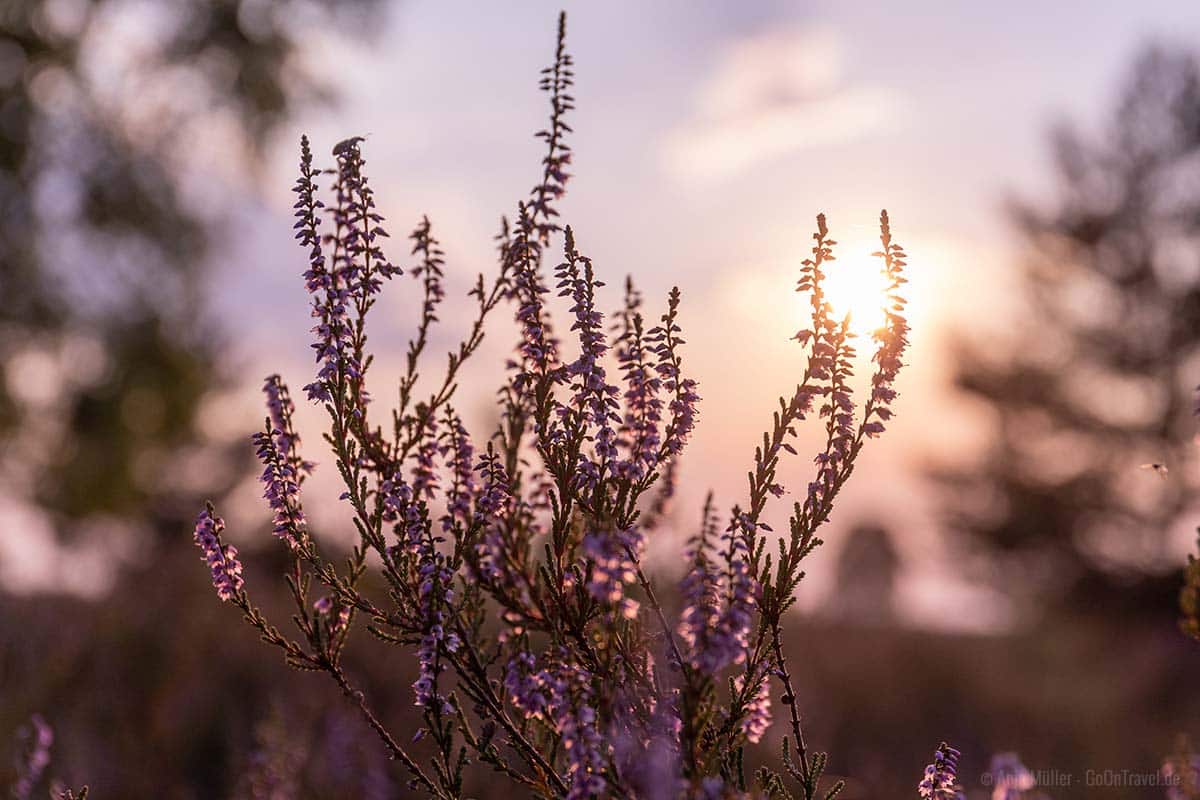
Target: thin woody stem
x=355, y=696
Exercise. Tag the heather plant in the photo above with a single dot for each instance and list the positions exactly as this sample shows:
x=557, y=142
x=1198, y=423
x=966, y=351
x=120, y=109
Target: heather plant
x=1181, y=772
x=512, y=566
x=34, y=742
x=1010, y=778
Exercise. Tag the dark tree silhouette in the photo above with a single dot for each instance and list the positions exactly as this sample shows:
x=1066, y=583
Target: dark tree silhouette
x=1091, y=467
x=106, y=222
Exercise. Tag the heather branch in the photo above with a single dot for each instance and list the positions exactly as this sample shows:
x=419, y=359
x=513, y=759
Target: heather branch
x=393, y=747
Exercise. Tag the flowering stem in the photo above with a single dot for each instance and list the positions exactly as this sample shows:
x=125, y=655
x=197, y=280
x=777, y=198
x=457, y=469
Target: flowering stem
x=789, y=700
x=395, y=749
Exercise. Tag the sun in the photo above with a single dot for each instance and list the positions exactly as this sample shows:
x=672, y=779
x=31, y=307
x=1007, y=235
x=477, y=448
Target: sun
x=855, y=285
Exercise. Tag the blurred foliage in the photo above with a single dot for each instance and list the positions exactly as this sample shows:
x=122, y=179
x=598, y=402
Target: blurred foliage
x=157, y=676
x=1091, y=468
x=179, y=683
x=126, y=128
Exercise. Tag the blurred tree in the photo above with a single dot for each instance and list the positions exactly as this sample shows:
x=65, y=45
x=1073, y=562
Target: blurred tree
x=125, y=127
x=1091, y=466
x=867, y=568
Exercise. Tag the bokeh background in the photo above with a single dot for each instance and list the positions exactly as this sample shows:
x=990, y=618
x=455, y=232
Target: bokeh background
x=1001, y=571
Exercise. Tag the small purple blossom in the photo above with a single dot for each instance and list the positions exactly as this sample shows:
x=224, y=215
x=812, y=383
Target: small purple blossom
x=941, y=777
x=612, y=567
x=560, y=695
x=665, y=343
x=733, y=626
x=281, y=490
x=538, y=348
x=280, y=410
x=493, y=509
x=1009, y=777
x=757, y=713
x=324, y=608
x=593, y=398
x=350, y=279
x=221, y=558
x=1181, y=772
x=38, y=738
x=640, y=437
x=459, y=455
x=429, y=270
x=718, y=603
x=526, y=687
x=700, y=592
x=424, y=472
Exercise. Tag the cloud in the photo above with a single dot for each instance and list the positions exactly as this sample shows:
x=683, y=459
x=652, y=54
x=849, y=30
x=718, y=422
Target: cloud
x=770, y=95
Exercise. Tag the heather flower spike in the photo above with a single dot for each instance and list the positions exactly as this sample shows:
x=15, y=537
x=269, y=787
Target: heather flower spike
x=941, y=777
x=37, y=739
x=509, y=567
x=221, y=558
x=1009, y=777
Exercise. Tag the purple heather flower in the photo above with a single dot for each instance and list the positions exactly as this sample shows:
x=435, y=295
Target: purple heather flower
x=400, y=506
x=324, y=607
x=1009, y=777
x=352, y=277
x=612, y=568
x=430, y=666
x=1181, y=773
x=757, y=715
x=281, y=491
x=459, y=455
x=538, y=347
x=358, y=226
x=430, y=268
x=593, y=400
x=330, y=293
x=280, y=410
x=424, y=473
x=700, y=591
x=585, y=751
x=435, y=592
x=38, y=737
x=650, y=763
x=712, y=788
x=525, y=685
x=683, y=407
x=493, y=510
x=684, y=397
x=640, y=437
x=559, y=693
x=831, y=462
x=733, y=626
x=941, y=777
x=718, y=608
x=221, y=558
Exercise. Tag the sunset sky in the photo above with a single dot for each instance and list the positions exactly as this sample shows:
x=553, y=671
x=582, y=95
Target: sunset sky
x=708, y=136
